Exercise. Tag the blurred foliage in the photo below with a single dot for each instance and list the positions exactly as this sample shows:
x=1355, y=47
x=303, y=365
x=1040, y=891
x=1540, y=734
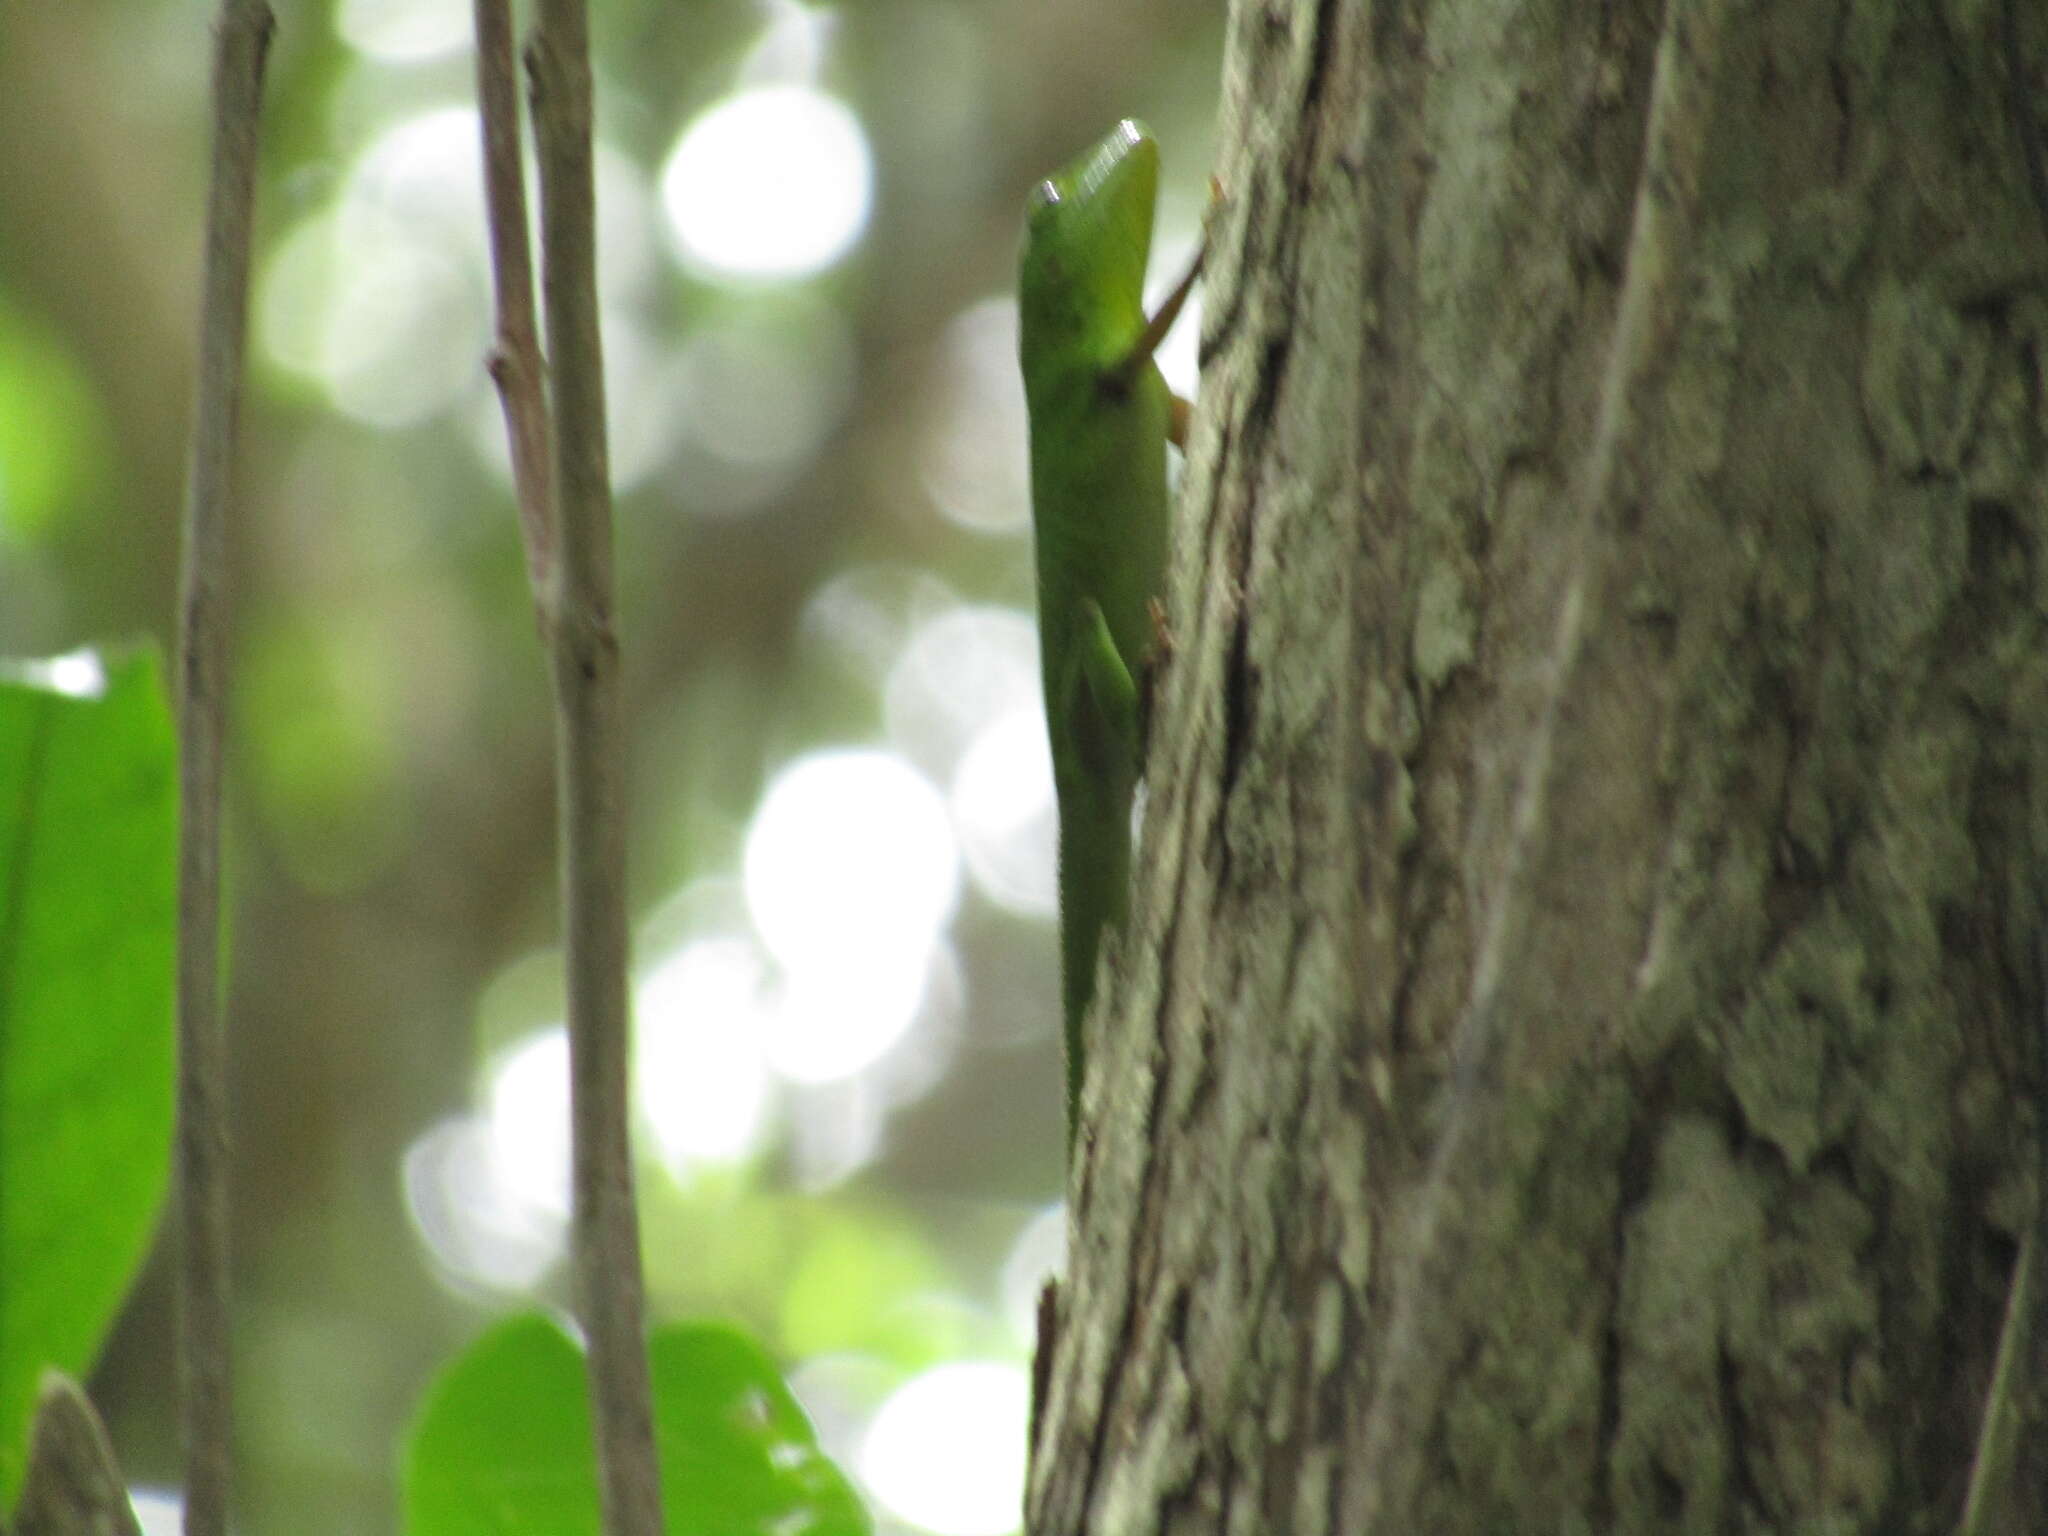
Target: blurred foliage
x=87, y=922
x=502, y=1445
x=811, y=471
x=53, y=439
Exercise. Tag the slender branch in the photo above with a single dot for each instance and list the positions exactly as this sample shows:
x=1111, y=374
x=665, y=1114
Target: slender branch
x=241, y=41
x=516, y=365
x=590, y=761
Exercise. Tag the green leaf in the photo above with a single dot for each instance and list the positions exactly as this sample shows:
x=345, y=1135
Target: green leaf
x=502, y=1443
x=87, y=929
x=503, y=1440
x=737, y=1453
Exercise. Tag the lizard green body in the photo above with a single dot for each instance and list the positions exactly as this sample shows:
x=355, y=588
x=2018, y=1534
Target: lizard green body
x=1101, y=416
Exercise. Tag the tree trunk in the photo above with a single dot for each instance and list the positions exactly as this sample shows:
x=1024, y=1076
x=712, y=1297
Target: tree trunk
x=1577, y=1060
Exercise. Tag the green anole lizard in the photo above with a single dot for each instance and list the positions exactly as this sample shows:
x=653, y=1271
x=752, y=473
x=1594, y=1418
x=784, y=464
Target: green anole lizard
x=1101, y=416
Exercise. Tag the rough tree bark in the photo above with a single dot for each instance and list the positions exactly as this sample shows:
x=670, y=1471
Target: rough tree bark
x=1577, y=1060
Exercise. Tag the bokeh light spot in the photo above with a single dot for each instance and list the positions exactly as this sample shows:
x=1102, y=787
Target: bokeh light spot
x=1003, y=807
x=403, y=31
x=75, y=674
x=698, y=1072
x=773, y=182
x=850, y=857
x=864, y=615
x=381, y=299
x=426, y=172
x=831, y=1022
x=960, y=670
x=477, y=1231
x=972, y=453
x=159, y=1511
x=527, y=1110
x=851, y=873
x=946, y=1451
x=644, y=404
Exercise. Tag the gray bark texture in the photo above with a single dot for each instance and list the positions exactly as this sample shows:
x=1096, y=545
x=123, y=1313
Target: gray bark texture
x=1577, y=1057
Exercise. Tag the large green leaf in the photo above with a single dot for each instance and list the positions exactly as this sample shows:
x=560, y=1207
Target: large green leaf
x=502, y=1444
x=87, y=923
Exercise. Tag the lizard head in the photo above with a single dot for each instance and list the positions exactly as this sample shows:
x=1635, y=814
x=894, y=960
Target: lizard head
x=1080, y=289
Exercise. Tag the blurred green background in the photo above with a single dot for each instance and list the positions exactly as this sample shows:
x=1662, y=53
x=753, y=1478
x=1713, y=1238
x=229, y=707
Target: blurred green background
x=848, y=1088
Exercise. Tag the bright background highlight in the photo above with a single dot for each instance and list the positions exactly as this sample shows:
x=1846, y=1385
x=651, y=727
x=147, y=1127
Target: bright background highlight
x=771, y=183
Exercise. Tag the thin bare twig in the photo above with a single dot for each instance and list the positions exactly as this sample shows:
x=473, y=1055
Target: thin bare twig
x=590, y=762
x=241, y=42
x=516, y=365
